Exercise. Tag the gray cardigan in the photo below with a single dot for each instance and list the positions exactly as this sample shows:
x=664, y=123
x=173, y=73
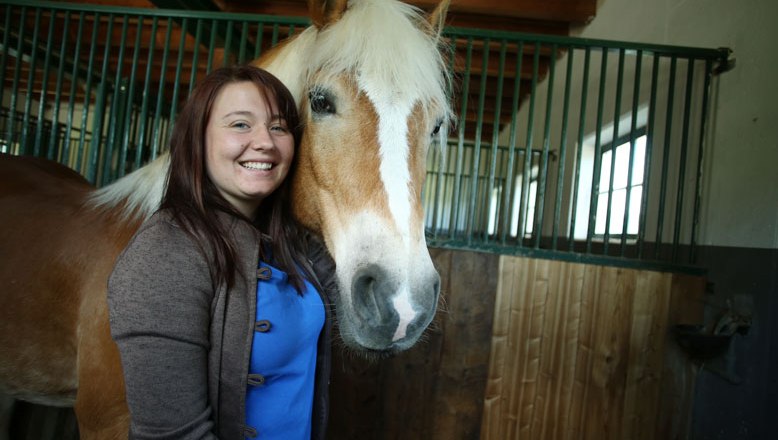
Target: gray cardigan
x=185, y=348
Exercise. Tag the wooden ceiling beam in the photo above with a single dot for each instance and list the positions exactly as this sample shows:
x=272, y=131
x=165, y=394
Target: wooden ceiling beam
x=555, y=11
x=573, y=11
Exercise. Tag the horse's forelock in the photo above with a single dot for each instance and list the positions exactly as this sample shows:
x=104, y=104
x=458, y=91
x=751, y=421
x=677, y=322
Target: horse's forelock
x=386, y=44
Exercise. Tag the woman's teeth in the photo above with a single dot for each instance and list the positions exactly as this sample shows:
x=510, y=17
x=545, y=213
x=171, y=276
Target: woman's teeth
x=257, y=165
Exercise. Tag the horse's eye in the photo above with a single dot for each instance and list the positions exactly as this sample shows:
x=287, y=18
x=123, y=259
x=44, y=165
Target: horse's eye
x=436, y=130
x=321, y=102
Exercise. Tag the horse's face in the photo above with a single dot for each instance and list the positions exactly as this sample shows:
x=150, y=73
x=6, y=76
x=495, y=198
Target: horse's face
x=369, y=120
x=361, y=171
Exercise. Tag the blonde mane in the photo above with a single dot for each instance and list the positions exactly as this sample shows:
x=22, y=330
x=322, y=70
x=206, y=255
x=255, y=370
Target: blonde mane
x=136, y=195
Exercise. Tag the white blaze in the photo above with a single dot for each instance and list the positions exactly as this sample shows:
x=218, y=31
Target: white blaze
x=393, y=111
x=404, y=308
x=393, y=140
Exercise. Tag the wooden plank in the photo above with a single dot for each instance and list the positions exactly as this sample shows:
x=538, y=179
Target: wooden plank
x=563, y=329
x=461, y=380
x=496, y=384
x=611, y=336
x=581, y=352
x=584, y=353
x=518, y=346
x=646, y=355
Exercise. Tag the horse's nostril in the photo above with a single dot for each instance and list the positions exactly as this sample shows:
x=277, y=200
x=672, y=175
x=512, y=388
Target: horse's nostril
x=369, y=296
x=364, y=284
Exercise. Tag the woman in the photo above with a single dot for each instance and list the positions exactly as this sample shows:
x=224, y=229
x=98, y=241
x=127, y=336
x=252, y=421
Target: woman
x=220, y=303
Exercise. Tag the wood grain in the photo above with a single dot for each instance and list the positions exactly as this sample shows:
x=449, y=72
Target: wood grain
x=582, y=351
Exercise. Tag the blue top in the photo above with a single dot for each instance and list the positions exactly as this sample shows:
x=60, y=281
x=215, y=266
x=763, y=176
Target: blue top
x=279, y=398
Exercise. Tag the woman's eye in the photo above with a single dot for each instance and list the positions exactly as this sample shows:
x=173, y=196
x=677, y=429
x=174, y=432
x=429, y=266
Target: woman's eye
x=240, y=125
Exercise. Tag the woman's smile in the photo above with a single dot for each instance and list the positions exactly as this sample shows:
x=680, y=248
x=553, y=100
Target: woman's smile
x=261, y=166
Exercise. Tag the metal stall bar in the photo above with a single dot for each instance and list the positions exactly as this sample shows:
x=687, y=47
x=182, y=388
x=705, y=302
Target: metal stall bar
x=665, y=156
x=563, y=150
x=144, y=107
x=74, y=78
x=195, y=57
x=475, y=166
x=44, y=85
x=53, y=152
x=612, y=171
x=595, y=188
x=632, y=147
x=87, y=97
x=650, y=134
x=579, y=149
x=100, y=104
x=117, y=110
x=158, y=119
x=508, y=196
x=700, y=157
x=15, y=85
x=30, y=80
x=527, y=170
x=681, y=187
x=495, y=142
x=460, y=144
x=3, y=69
x=543, y=163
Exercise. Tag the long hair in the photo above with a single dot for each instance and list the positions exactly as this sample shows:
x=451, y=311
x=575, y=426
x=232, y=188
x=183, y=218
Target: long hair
x=194, y=201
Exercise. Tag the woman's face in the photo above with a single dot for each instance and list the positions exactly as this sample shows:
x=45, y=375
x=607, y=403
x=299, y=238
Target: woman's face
x=248, y=147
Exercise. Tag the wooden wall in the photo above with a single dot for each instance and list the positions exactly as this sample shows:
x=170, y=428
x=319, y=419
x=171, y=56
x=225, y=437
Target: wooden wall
x=531, y=349
x=585, y=352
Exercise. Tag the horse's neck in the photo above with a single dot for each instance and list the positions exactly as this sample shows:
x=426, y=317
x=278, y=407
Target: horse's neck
x=137, y=195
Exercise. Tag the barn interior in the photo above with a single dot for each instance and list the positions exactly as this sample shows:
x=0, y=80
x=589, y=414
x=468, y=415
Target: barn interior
x=654, y=318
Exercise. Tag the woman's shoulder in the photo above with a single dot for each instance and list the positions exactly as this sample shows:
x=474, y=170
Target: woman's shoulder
x=161, y=255
x=159, y=238
x=161, y=230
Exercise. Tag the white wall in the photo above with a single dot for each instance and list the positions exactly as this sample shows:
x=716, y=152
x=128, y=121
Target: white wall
x=740, y=189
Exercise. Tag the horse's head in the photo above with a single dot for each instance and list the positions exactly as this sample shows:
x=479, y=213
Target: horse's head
x=372, y=88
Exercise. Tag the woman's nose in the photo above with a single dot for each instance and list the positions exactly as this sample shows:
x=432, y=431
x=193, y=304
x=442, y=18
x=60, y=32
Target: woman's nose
x=262, y=139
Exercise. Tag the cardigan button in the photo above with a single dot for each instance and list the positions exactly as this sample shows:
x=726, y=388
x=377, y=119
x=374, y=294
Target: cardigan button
x=262, y=326
x=263, y=273
x=256, y=380
x=249, y=431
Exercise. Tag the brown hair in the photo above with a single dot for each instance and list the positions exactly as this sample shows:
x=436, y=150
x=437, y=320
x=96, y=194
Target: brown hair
x=194, y=200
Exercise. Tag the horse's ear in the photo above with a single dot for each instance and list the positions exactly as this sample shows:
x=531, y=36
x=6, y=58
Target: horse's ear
x=324, y=12
x=437, y=18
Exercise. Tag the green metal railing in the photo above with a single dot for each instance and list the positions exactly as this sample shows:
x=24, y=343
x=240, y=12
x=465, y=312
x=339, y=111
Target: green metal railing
x=592, y=150
x=531, y=165
x=60, y=68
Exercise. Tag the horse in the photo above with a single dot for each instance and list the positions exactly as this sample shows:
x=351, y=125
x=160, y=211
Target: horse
x=371, y=82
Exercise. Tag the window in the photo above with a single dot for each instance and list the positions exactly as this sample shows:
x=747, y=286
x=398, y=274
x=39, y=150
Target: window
x=625, y=191
x=623, y=187
x=515, y=206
